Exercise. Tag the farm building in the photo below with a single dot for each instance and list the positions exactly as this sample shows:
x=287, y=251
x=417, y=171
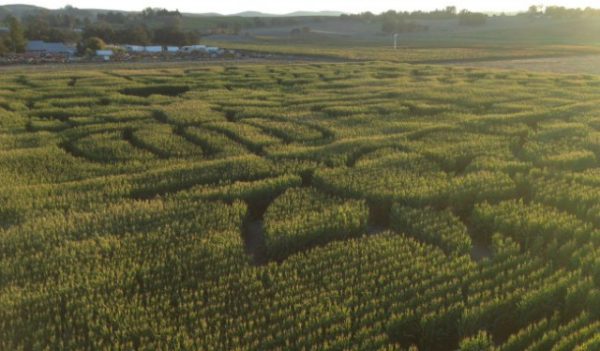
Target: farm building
x=105, y=54
x=213, y=50
x=194, y=48
x=133, y=48
x=40, y=47
x=153, y=49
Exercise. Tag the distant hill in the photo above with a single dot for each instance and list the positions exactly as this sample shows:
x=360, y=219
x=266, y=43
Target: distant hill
x=312, y=14
x=252, y=14
x=292, y=14
x=19, y=10
x=207, y=14
x=22, y=7
x=24, y=10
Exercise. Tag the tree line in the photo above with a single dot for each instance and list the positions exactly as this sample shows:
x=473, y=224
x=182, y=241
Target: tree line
x=559, y=12
x=405, y=22
x=150, y=26
x=166, y=29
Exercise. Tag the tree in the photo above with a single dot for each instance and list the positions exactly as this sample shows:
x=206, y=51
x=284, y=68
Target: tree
x=148, y=12
x=101, y=30
x=169, y=36
x=3, y=48
x=367, y=16
x=171, y=33
x=112, y=17
x=467, y=18
x=16, y=36
x=36, y=26
x=451, y=10
x=534, y=10
x=137, y=34
x=91, y=45
x=51, y=27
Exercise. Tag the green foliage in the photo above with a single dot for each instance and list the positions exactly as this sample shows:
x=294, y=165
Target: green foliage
x=480, y=342
x=467, y=18
x=536, y=227
x=17, y=41
x=438, y=228
x=322, y=219
x=354, y=206
x=3, y=47
x=164, y=142
x=92, y=44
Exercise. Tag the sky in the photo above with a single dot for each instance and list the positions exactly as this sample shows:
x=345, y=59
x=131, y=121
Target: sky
x=282, y=6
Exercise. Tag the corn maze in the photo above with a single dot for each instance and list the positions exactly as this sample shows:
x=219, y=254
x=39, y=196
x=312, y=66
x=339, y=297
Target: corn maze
x=349, y=206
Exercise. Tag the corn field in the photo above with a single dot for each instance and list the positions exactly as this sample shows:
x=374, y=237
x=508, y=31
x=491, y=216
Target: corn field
x=323, y=206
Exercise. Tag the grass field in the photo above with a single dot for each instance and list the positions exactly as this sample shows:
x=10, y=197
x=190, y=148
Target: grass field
x=418, y=54
x=322, y=206
x=581, y=64
x=508, y=31
x=502, y=37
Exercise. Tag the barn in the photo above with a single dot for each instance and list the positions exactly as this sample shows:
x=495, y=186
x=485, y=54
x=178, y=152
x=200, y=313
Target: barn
x=194, y=48
x=40, y=47
x=153, y=49
x=133, y=48
x=213, y=50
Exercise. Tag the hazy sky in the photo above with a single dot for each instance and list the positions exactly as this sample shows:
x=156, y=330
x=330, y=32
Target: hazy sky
x=282, y=6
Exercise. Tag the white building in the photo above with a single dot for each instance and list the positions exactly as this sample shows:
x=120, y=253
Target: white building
x=194, y=48
x=213, y=50
x=105, y=54
x=133, y=48
x=153, y=49
x=172, y=49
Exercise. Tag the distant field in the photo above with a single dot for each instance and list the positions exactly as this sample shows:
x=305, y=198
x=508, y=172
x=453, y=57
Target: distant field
x=502, y=37
x=346, y=206
x=433, y=54
x=584, y=64
x=498, y=31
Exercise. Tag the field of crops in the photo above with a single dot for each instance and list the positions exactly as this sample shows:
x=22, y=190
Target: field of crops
x=351, y=206
x=416, y=53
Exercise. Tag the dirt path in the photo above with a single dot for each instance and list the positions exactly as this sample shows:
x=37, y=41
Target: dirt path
x=480, y=251
x=254, y=241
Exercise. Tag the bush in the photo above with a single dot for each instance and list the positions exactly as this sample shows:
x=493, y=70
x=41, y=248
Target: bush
x=466, y=18
x=91, y=45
